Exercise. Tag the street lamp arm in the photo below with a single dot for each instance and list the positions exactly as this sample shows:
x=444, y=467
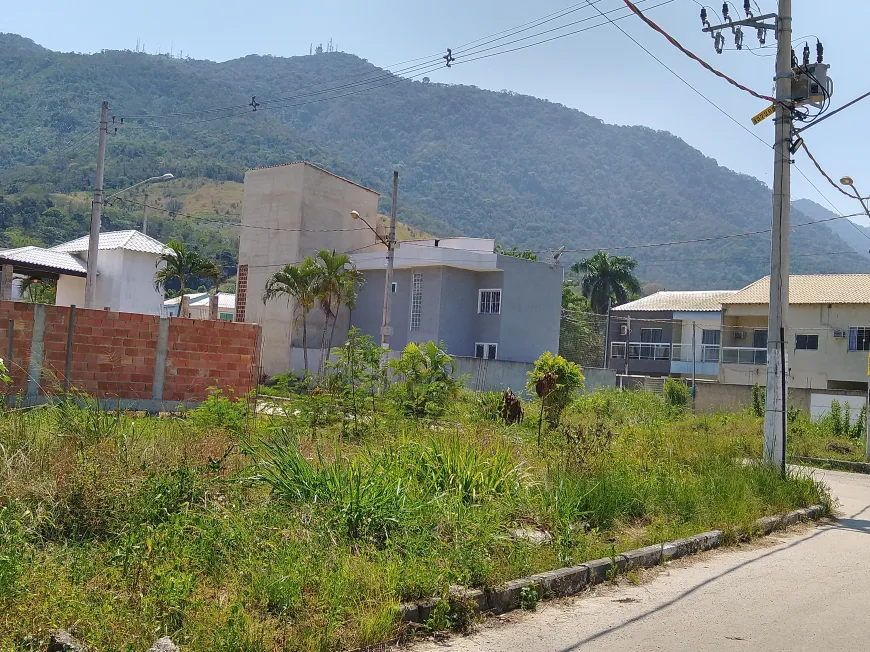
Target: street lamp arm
x=166, y=177
x=381, y=238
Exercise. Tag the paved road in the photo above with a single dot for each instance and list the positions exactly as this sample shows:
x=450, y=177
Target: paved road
x=803, y=590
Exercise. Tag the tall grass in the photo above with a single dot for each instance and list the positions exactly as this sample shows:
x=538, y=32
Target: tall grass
x=124, y=527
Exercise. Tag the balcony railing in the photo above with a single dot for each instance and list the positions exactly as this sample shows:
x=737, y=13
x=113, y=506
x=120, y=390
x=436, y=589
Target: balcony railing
x=665, y=352
x=744, y=355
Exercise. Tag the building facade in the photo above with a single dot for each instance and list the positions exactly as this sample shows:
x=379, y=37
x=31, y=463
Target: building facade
x=292, y=211
x=460, y=292
x=668, y=334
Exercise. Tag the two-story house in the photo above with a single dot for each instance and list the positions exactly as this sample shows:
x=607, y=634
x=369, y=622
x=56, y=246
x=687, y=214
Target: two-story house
x=460, y=292
x=668, y=334
x=828, y=332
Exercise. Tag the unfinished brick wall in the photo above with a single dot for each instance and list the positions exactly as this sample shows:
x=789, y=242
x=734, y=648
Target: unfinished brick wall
x=117, y=355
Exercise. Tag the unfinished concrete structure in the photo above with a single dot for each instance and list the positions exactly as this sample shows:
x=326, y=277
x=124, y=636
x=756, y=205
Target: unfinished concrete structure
x=292, y=211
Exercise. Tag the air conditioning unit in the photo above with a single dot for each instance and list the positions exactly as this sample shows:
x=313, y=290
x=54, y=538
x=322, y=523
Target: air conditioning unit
x=623, y=329
x=839, y=332
x=740, y=335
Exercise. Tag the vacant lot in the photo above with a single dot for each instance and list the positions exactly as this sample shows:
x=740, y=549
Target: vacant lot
x=306, y=529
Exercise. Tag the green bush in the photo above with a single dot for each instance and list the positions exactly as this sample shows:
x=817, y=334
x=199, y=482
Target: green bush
x=677, y=395
x=220, y=412
x=569, y=380
x=425, y=380
x=759, y=396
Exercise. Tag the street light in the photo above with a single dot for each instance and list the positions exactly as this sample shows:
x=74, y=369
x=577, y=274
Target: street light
x=356, y=216
x=166, y=177
x=847, y=181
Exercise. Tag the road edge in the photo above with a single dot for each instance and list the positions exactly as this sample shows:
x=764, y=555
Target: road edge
x=837, y=465
x=571, y=580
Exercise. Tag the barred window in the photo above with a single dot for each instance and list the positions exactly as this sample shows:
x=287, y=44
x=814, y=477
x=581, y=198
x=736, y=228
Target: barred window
x=416, y=302
x=489, y=302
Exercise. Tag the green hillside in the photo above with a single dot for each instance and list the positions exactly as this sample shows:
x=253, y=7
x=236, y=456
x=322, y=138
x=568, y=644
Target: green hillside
x=522, y=170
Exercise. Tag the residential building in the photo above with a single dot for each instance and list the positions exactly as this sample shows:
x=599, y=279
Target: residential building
x=199, y=306
x=460, y=292
x=668, y=334
x=292, y=211
x=828, y=337
x=126, y=266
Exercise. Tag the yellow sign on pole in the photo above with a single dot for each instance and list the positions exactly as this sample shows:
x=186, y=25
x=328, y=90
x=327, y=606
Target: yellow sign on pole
x=769, y=111
x=868, y=364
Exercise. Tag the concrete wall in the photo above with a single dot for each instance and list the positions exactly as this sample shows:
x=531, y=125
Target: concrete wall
x=598, y=378
x=289, y=212
x=499, y=375
x=148, y=361
x=832, y=363
x=714, y=397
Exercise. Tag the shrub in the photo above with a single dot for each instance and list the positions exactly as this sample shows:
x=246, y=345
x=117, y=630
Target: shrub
x=219, y=412
x=568, y=381
x=677, y=395
x=759, y=396
x=426, y=383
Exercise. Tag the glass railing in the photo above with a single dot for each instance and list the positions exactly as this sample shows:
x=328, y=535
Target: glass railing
x=744, y=355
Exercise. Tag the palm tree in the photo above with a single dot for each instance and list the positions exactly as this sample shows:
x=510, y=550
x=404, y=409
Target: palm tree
x=337, y=285
x=300, y=284
x=607, y=277
x=181, y=263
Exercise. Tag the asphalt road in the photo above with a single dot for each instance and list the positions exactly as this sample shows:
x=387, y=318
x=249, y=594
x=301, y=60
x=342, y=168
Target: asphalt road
x=806, y=589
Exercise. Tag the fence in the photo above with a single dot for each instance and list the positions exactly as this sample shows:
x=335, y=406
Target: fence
x=136, y=361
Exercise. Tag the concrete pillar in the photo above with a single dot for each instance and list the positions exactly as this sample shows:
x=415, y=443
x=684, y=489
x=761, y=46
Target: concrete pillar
x=213, y=312
x=6, y=283
x=184, y=306
x=37, y=350
x=160, y=360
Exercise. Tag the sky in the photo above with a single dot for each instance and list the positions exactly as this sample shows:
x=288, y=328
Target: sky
x=599, y=71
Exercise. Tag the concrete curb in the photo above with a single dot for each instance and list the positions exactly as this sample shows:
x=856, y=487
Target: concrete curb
x=841, y=465
x=564, y=582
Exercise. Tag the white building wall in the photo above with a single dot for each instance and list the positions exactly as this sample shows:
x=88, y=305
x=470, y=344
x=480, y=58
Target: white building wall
x=70, y=291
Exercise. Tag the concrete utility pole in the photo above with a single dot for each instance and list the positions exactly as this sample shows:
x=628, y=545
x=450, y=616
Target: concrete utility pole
x=694, y=364
x=386, y=328
x=96, y=212
x=145, y=213
x=777, y=321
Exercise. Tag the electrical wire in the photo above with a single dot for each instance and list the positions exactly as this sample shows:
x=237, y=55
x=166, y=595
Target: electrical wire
x=694, y=57
x=826, y=175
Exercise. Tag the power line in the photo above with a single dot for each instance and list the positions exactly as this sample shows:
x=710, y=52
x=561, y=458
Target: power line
x=825, y=174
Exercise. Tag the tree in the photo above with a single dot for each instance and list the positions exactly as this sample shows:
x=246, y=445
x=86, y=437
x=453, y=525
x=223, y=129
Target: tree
x=182, y=263
x=516, y=252
x=38, y=290
x=580, y=330
x=607, y=278
x=337, y=285
x=298, y=283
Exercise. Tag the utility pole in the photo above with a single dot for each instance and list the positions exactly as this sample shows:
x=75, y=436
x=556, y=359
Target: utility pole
x=777, y=320
x=386, y=328
x=145, y=214
x=694, y=361
x=96, y=212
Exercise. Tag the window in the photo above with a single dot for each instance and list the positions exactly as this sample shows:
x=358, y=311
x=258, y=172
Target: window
x=710, y=340
x=859, y=338
x=759, y=343
x=416, y=301
x=489, y=302
x=395, y=285
x=226, y=316
x=649, y=337
x=485, y=350
x=806, y=342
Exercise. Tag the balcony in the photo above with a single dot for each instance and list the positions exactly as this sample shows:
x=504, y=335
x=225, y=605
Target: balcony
x=641, y=351
x=744, y=355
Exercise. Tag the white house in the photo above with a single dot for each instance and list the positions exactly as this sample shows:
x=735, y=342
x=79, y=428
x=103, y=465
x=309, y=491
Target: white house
x=199, y=306
x=126, y=266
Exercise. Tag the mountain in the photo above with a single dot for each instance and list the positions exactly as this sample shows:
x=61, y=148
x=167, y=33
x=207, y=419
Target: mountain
x=856, y=237
x=519, y=169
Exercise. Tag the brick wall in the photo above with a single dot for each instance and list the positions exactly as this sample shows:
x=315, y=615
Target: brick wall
x=115, y=355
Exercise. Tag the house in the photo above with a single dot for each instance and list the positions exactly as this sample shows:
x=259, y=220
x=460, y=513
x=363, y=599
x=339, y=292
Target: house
x=828, y=337
x=460, y=292
x=126, y=266
x=198, y=306
x=289, y=212
x=658, y=333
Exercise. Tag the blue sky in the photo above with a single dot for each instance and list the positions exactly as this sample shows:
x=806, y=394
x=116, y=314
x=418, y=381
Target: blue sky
x=600, y=71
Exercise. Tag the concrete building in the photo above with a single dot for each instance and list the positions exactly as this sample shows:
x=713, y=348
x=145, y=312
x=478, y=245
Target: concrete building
x=292, y=211
x=199, y=307
x=828, y=332
x=657, y=332
x=126, y=266
x=459, y=291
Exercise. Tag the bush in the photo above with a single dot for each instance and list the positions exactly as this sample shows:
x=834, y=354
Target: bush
x=568, y=381
x=759, y=397
x=677, y=395
x=219, y=412
x=426, y=383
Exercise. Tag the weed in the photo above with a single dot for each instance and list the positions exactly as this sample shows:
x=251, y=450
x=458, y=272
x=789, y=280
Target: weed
x=529, y=596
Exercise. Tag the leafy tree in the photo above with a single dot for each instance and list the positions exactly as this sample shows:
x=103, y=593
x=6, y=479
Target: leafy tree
x=581, y=337
x=516, y=252
x=567, y=381
x=181, y=263
x=426, y=382
x=38, y=290
x=299, y=284
x=607, y=277
x=337, y=284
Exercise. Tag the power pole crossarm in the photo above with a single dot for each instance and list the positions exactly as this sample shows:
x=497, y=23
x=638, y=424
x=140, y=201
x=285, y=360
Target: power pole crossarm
x=96, y=212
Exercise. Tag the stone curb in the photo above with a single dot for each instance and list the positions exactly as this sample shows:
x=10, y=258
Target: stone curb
x=842, y=465
x=564, y=582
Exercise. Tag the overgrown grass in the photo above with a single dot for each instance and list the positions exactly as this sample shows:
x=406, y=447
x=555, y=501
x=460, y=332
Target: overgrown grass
x=233, y=534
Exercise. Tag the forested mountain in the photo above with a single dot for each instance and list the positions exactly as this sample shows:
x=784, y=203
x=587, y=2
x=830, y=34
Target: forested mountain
x=522, y=170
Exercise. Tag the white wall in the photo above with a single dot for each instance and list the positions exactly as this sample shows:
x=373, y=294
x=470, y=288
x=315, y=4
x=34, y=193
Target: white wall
x=70, y=291
x=820, y=405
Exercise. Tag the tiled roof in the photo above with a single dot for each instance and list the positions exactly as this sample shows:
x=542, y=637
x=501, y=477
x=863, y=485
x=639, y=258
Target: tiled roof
x=316, y=167
x=39, y=257
x=129, y=240
x=702, y=301
x=225, y=300
x=810, y=289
